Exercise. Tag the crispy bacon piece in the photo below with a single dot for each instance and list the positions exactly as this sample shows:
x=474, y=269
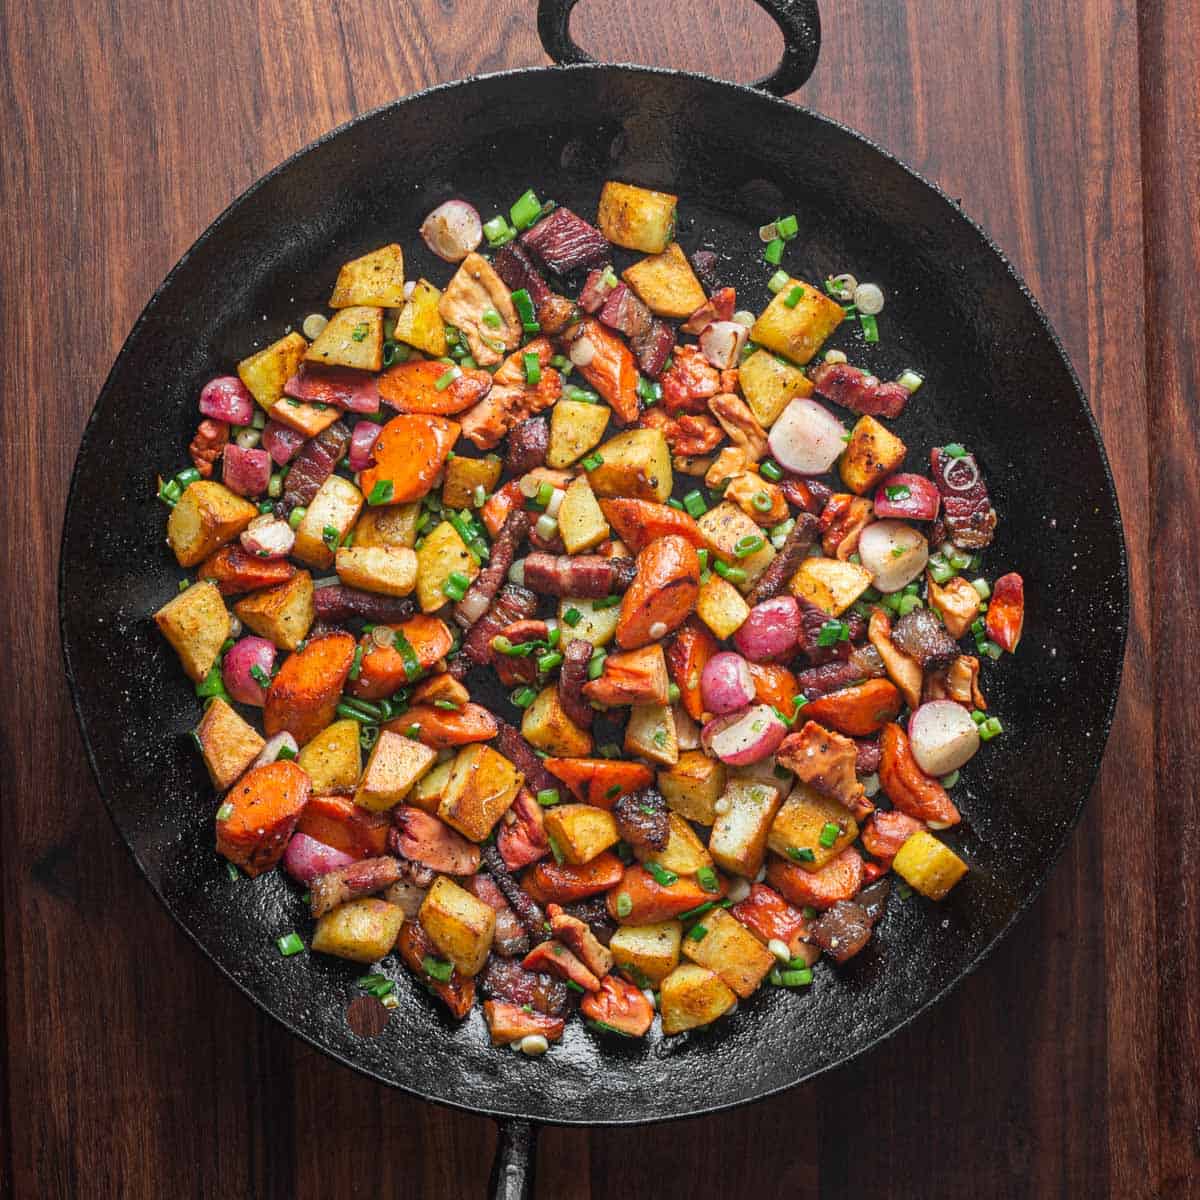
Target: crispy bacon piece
x=551, y=955
x=774, y=580
x=1006, y=611
x=840, y=878
x=421, y=837
x=522, y=840
x=474, y=605
x=704, y=263
x=572, y=677
x=523, y=904
x=564, y=883
x=832, y=677
x=885, y=831
x=624, y=312
x=843, y=930
x=858, y=391
x=689, y=435
x=593, y=912
x=342, y=387
x=904, y=672
x=908, y=787
x=813, y=620
x=956, y=600
x=337, y=603
x=527, y=446
x=597, y=288
x=585, y=576
x=808, y=495
x=363, y=878
x=564, y=242
x=579, y=939
x=958, y=682
x=619, y=1005
x=842, y=520
x=414, y=946
x=510, y=938
x=735, y=417
x=652, y=346
x=516, y=268
x=512, y=399
x=718, y=307
x=520, y=753
x=512, y=603
x=510, y=981
x=610, y=368
x=314, y=464
x=509, y=1023
x=768, y=915
x=967, y=512
x=234, y=571
x=556, y=313
x=689, y=382
x=750, y=491
x=921, y=636
x=825, y=761
x=207, y=446
x=517, y=669
x=866, y=755
x=642, y=819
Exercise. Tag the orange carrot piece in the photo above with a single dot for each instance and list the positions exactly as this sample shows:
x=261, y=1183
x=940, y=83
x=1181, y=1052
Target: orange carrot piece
x=236, y=572
x=508, y=1023
x=499, y=504
x=548, y=882
x=768, y=915
x=638, y=522
x=619, y=1005
x=552, y=956
x=841, y=878
x=259, y=815
x=687, y=656
x=438, y=728
x=774, y=685
x=1006, y=611
x=663, y=592
x=599, y=781
x=382, y=670
x=303, y=697
x=339, y=822
x=886, y=831
x=612, y=370
x=414, y=946
x=411, y=387
x=409, y=454
x=907, y=786
x=860, y=710
x=650, y=902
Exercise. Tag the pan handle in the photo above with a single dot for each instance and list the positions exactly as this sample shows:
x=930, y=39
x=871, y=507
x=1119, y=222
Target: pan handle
x=798, y=21
x=516, y=1158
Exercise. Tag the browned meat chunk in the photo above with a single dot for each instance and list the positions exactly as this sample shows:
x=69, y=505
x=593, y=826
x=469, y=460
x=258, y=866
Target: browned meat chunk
x=564, y=242
x=512, y=603
x=825, y=761
x=208, y=445
x=817, y=625
x=522, y=838
x=572, y=676
x=527, y=446
x=510, y=981
x=421, y=837
x=774, y=580
x=586, y=576
x=337, y=603
x=642, y=819
x=967, y=512
x=314, y=464
x=528, y=911
x=474, y=605
x=363, y=878
x=516, y=268
x=922, y=636
x=578, y=937
x=652, y=347
x=594, y=913
x=843, y=930
x=510, y=938
x=858, y=391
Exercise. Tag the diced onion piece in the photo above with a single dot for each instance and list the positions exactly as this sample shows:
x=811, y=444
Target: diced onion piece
x=557, y=495
x=473, y=605
x=547, y=527
x=270, y=752
x=943, y=737
x=779, y=949
x=249, y=438
x=452, y=230
x=835, y=356
x=843, y=286
x=410, y=286
x=516, y=573
x=269, y=536
x=722, y=342
x=870, y=784
x=868, y=299
x=894, y=553
x=768, y=232
x=743, y=317
x=909, y=380
x=807, y=438
x=314, y=326
x=581, y=352
x=534, y=1044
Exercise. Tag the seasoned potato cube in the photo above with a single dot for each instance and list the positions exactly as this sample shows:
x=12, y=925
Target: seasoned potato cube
x=797, y=332
x=265, y=373
x=459, y=925
x=635, y=464
x=428, y=791
x=331, y=515
x=651, y=733
x=636, y=217
x=693, y=786
x=376, y=569
x=580, y=831
x=928, y=866
x=206, y=516
x=581, y=524
x=725, y=528
x=228, y=744
x=731, y=950
x=546, y=726
x=691, y=996
x=482, y=786
x=738, y=842
x=361, y=930
x=392, y=526
x=396, y=763
x=872, y=453
x=375, y=279
x=333, y=759
x=721, y=606
x=305, y=418
x=420, y=324
x=829, y=584
x=647, y=953
x=595, y=625
x=684, y=852
x=196, y=623
x=797, y=828
x=575, y=428
x=666, y=283
x=441, y=554
x=282, y=614
x=464, y=475
x=353, y=338
x=769, y=385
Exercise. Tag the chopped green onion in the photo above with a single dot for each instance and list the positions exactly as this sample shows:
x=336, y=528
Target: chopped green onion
x=673, y=503
x=523, y=303
x=213, y=684
x=770, y=470
x=604, y=602
x=648, y=390
x=908, y=604
x=899, y=491
x=286, y=754
x=533, y=368
x=395, y=352
x=445, y=380
x=186, y=477
x=982, y=587
x=362, y=711
x=801, y=978
x=524, y=697
x=450, y=705
x=978, y=717
x=662, y=876
x=502, y=645
x=698, y=932
x=580, y=395
x=948, y=781
x=592, y=462
x=498, y=232
x=624, y=904
x=990, y=728
x=794, y=296
x=833, y=632
x=787, y=227
x=572, y=616
x=773, y=253
x=297, y=515
x=761, y=502
x=526, y=210
x=610, y=750
x=381, y=493
x=672, y=693
x=732, y=574
x=437, y=969
x=264, y=680
x=778, y=281
x=706, y=877
x=870, y=327
x=289, y=944
x=939, y=569
x=554, y=849
x=359, y=332
x=455, y=586
x=548, y=797
x=694, y=504
x=331, y=536
x=225, y=812
x=829, y=834
x=553, y=637
x=492, y=318
x=748, y=545
x=233, y=873
x=910, y=381
x=596, y=664
x=547, y=662
x=698, y=911
x=702, y=555
x=801, y=854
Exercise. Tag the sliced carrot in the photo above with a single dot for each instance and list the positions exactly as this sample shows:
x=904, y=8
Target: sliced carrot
x=1006, y=611
x=774, y=685
x=383, y=669
x=663, y=592
x=411, y=387
x=499, y=504
x=553, y=957
x=599, y=781
x=548, y=882
x=339, y=822
x=438, y=728
x=236, y=572
x=768, y=915
x=302, y=699
x=260, y=813
x=508, y=1023
x=409, y=455
x=687, y=656
x=638, y=522
x=634, y=677
x=619, y=1005
x=841, y=878
x=611, y=370
x=414, y=946
x=639, y=899
x=907, y=786
x=860, y=710
x=886, y=831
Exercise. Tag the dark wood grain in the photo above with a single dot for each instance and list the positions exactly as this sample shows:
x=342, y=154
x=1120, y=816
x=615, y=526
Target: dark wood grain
x=1067, y=1066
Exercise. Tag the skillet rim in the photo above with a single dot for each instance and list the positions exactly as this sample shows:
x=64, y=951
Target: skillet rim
x=1051, y=859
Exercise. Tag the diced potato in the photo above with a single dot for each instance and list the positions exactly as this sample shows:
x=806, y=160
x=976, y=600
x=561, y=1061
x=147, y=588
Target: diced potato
x=282, y=614
x=228, y=744
x=872, y=453
x=769, y=385
x=441, y=554
x=693, y=786
x=691, y=996
x=460, y=925
x=265, y=373
x=647, y=953
x=305, y=418
x=482, y=786
x=797, y=332
x=666, y=283
x=650, y=733
x=333, y=759
x=928, y=866
x=581, y=524
x=464, y=475
x=377, y=569
x=723, y=528
x=636, y=464
x=391, y=526
x=637, y=218
x=331, y=515
x=684, y=852
x=361, y=930
x=196, y=623
x=396, y=763
x=830, y=584
x=546, y=726
x=206, y=516
x=595, y=625
x=353, y=338
x=581, y=831
x=375, y=279
x=428, y=791
x=575, y=428
x=420, y=324
x=721, y=606
x=738, y=842
x=730, y=949
x=799, y=823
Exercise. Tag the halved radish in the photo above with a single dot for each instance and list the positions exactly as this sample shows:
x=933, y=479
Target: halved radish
x=745, y=737
x=943, y=736
x=807, y=438
x=893, y=552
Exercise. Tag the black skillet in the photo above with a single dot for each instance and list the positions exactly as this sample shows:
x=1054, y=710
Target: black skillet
x=998, y=381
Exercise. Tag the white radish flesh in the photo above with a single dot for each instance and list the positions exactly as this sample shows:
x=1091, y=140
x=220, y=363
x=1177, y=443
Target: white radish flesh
x=807, y=438
x=894, y=553
x=452, y=230
x=741, y=739
x=943, y=737
x=722, y=342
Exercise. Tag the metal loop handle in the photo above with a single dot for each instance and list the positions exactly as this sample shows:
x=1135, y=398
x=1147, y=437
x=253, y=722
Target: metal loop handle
x=515, y=1161
x=799, y=21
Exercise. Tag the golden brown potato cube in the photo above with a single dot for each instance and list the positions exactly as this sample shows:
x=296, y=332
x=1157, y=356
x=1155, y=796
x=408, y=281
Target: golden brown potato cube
x=196, y=623
x=206, y=516
x=420, y=324
x=376, y=569
x=872, y=453
x=228, y=744
x=684, y=852
x=482, y=786
x=392, y=526
x=396, y=763
x=282, y=614
x=830, y=584
x=691, y=996
x=581, y=524
x=799, y=824
x=637, y=218
x=464, y=475
x=738, y=842
x=353, y=338
x=375, y=279
x=928, y=866
x=730, y=949
x=333, y=759
x=666, y=283
x=769, y=385
x=650, y=733
x=331, y=515
x=595, y=625
x=635, y=464
x=547, y=727
x=693, y=786
x=459, y=925
x=428, y=791
x=580, y=831
x=361, y=930
x=647, y=953
x=725, y=528
x=265, y=373
x=305, y=418
x=575, y=428
x=441, y=554
x=797, y=332
x=721, y=606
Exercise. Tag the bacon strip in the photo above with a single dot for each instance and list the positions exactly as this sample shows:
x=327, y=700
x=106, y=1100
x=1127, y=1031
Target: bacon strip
x=784, y=565
x=967, y=510
x=571, y=677
x=362, y=878
x=586, y=576
x=314, y=464
x=513, y=603
x=856, y=390
x=474, y=605
x=337, y=603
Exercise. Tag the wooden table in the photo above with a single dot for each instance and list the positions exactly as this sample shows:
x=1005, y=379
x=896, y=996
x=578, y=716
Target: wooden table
x=1066, y=1066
